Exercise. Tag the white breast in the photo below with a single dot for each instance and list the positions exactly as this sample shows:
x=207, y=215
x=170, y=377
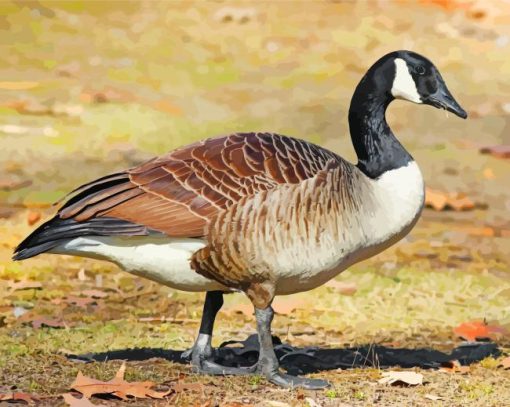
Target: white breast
x=390, y=206
x=397, y=199
x=157, y=257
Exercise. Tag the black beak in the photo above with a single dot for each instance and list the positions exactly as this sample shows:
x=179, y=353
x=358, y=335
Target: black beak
x=443, y=99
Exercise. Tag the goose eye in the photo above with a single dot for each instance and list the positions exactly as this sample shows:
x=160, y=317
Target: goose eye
x=420, y=70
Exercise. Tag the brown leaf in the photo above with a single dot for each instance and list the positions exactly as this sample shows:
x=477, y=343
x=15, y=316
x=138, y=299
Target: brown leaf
x=399, y=378
x=33, y=217
x=476, y=330
x=27, y=398
x=499, y=151
x=440, y=200
x=454, y=366
x=343, y=287
x=117, y=387
x=79, y=402
x=505, y=363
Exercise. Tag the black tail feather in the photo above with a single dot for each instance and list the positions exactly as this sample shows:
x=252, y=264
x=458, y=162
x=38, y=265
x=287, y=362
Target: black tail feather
x=56, y=231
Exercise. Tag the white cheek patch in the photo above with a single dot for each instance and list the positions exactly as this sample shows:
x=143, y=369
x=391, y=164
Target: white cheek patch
x=403, y=84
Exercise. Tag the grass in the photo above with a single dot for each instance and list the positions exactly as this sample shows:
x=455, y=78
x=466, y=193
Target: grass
x=411, y=296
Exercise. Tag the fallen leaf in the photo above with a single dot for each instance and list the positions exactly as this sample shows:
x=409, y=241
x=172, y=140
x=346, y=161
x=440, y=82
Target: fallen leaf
x=117, y=387
x=27, y=398
x=440, y=200
x=499, y=151
x=505, y=363
x=79, y=402
x=479, y=330
x=345, y=288
x=401, y=378
x=33, y=217
x=454, y=366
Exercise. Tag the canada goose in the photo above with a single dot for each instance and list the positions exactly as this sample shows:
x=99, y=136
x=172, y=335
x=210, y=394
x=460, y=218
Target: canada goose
x=260, y=213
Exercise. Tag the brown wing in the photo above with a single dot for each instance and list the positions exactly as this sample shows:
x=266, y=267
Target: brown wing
x=182, y=191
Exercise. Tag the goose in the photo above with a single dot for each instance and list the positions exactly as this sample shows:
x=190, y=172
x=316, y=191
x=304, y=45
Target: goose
x=258, y=213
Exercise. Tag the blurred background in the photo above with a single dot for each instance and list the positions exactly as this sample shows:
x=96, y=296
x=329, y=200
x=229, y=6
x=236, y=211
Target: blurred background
x=88, y=88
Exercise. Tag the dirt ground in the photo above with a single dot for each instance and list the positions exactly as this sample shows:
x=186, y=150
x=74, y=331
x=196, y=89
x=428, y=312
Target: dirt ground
x=87, y=88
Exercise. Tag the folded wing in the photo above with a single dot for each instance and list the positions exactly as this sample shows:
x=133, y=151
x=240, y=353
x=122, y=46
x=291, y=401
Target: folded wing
x=181, y=192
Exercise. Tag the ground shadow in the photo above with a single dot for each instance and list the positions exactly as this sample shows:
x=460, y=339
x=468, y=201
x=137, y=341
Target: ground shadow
x=310, y=360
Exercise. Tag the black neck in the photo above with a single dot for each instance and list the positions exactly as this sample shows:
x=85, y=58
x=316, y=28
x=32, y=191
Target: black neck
x=376, y=146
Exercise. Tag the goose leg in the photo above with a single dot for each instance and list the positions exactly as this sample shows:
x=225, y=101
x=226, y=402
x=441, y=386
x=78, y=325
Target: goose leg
x=202, y=354
x=268, y=363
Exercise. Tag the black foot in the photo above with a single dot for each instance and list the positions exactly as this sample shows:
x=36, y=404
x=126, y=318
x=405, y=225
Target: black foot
x=288, y=381
x=209, y=367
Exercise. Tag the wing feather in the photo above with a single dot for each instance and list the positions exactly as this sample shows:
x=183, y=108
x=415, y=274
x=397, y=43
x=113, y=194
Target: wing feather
x=181, y=192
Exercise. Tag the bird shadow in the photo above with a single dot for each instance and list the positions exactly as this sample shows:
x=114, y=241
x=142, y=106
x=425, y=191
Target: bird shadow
x=312, y=359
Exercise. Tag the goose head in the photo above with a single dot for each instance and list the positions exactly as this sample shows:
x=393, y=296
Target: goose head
x=398, y=75
x=416, y=79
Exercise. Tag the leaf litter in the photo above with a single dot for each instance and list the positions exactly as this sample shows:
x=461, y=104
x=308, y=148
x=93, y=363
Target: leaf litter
x=19, y=397
x=479, y=330
x=117, y=386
